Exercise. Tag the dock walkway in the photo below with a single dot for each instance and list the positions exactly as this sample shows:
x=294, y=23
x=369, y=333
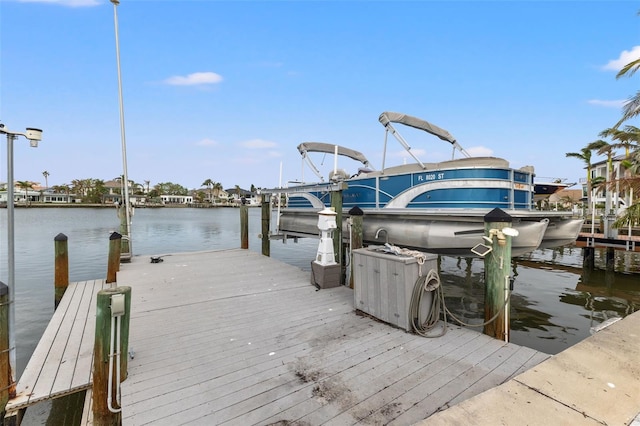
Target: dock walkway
x=595, y=382
x=61, y=363
x=236, y=338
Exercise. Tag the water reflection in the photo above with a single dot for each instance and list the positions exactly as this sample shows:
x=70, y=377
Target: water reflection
x=555, y=302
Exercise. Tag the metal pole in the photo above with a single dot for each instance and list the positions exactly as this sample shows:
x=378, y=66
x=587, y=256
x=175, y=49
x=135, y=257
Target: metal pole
x=11, y=266
x=122, y=132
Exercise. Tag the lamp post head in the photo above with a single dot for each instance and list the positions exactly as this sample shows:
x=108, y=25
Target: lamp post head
x=115, y=2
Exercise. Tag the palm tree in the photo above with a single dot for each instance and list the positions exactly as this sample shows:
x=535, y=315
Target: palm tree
x=632, y=106
x=46, y=178
x=605, y=148
x=209, y=184
x=26, y=186
x=629, y=139
x=584, y=155
x=217, y=189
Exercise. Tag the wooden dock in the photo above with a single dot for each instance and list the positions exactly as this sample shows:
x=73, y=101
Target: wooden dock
x=620, y=242
x=595, y=382
x=233, y=337
x=61, y=363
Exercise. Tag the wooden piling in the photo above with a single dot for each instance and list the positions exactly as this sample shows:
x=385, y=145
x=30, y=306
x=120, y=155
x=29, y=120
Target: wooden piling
x=336, y=204
x=124, y=242
x=610, y=256
x=61, y=274
x=497, y=266
x=356, y=216
x=113, y=263
x=102, y=415
x=266, y=224
x=588, y=258
x=5, y=366
x=244, y=227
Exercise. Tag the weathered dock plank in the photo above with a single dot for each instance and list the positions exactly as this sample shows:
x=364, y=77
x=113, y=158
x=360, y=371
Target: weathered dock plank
x=232, y=337
x=594, y=382
x=61, y=363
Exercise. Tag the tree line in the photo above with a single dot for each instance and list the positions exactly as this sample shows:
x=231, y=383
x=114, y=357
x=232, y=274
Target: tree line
x=93, y=191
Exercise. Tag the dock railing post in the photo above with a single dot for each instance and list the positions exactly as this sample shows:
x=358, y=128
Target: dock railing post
x=113, y=263
x=266, y=224
x=356, y=216
x=336, y=203
x=244, y=227
x=497, y=282
x=61, y=275
x=5, y=366
x=111, y=347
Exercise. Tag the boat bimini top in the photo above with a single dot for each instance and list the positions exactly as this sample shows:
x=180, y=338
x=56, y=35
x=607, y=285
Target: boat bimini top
x=306, y=147
x=386, y=118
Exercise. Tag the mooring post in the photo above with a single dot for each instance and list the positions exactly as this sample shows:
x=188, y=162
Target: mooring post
x=588, y=258
x=5, y=366
x=266, y=224
x=356, y=216
x=124, y=242
x=61, y=275
x=244, y=227
x=610, y=255
x=111, y=346
x=336, y=204
x=497, y=264
x=113, y=263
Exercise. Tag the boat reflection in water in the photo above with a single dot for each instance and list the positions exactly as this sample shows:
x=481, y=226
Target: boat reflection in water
x=548, y=315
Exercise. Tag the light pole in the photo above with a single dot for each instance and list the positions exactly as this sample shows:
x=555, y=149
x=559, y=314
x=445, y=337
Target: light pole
x=34, y=136
x=127, y=213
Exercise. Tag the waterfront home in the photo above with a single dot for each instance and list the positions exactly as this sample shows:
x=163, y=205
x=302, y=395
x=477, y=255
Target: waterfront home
x=600, y=194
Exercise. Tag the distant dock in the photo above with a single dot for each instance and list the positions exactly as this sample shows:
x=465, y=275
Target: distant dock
x=234, y=337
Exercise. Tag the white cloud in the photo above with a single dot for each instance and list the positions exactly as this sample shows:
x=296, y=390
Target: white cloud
x=70, y=3
x=479, y=151
x=206, y=142
x=194, y=79
x=258, y=144
x=627, y=56
x=607, y=104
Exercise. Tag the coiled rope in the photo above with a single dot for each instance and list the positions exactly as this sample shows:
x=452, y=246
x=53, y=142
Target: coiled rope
x=431, y=283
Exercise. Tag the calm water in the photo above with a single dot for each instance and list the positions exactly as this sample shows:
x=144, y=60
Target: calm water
x=554, y=303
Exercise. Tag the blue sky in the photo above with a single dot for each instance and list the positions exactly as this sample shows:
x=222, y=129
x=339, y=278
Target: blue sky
x=227, y=90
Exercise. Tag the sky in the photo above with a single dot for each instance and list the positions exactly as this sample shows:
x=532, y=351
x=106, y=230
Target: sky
x=226, y=90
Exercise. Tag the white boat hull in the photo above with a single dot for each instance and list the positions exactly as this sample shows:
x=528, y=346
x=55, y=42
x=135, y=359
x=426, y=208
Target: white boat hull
x=439, y=233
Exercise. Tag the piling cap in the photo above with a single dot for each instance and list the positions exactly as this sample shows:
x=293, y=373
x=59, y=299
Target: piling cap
x=115, y=236
x=497, y=215
x=60, y=237
x=356, y=211
x=327, y=212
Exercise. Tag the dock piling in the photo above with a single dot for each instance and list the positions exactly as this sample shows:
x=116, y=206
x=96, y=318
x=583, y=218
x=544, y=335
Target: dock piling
x=244, y=227
x=113, y=263
x=497, y=283
x=266, y=224
x=356, y=217
x=61, y=276
x=336, y=204
x=110, y=312
x=5, y=367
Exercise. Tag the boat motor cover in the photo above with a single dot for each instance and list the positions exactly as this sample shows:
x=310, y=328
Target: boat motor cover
x=417, y=123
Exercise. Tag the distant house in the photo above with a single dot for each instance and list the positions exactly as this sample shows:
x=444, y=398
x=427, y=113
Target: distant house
x=115, y=193
x=242, y=196
x=176, y=199
x=599, y=170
